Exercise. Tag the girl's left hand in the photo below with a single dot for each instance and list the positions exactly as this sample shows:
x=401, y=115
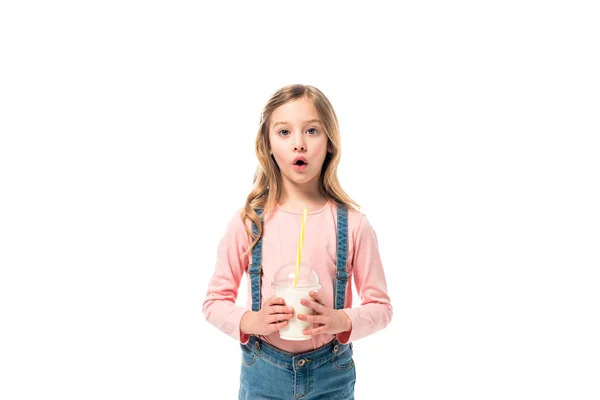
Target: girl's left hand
x=330, y=320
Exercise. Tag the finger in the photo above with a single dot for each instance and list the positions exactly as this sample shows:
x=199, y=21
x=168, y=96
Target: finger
x=280, y=310
x=274, y=318
x=278, y=326
x=312, y=304
x=317, y=297
x=275, y=300
x=315, y=331
x=315, y=319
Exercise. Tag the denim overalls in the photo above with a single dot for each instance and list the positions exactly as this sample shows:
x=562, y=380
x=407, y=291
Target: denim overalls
x=325, y=373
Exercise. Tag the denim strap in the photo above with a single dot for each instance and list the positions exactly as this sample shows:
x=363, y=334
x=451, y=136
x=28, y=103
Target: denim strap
x=255, y=269
x=341, y=276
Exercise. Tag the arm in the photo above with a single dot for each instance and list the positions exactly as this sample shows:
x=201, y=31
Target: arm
x=375, y=311
x=219, y=306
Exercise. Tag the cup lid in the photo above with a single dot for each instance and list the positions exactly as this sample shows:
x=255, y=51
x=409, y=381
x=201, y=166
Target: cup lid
x=285, y=276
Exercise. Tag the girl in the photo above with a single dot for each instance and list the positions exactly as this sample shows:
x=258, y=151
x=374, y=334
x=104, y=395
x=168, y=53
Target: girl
x=298, y=148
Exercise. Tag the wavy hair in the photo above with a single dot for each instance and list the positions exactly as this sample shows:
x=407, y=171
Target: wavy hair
x=267, y=187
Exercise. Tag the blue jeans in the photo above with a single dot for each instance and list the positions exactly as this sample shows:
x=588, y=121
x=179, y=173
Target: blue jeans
x=270, y=373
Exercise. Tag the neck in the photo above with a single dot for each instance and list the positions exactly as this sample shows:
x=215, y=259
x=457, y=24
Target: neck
x=297, y=197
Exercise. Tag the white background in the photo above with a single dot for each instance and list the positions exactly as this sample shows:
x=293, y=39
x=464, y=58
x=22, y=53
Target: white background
x=470, y=139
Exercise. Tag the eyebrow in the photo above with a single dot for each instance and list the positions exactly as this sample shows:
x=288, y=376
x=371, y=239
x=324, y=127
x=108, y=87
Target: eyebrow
x=287, y=123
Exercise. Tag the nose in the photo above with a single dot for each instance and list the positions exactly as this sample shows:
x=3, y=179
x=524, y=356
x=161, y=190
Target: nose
x=299, y=144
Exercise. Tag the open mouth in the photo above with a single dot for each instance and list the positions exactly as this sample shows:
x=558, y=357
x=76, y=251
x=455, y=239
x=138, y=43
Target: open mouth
x=300, y=165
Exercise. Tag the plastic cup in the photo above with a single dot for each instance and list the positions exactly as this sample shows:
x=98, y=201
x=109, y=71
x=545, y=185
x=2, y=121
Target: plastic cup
x=283, y=285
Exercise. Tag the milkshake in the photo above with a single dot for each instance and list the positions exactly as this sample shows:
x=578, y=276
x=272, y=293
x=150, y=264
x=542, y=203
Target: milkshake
x=283, y=286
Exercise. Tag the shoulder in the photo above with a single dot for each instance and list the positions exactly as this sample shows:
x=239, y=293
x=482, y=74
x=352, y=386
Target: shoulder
x=240, y=221
x=236, y=223
x=358, y=222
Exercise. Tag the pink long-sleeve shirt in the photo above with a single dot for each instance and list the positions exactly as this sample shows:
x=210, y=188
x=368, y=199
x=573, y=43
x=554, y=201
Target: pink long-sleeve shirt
x=280, y=240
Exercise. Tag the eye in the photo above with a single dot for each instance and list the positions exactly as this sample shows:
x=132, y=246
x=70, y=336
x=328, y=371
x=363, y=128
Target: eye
x=284, y=132
x=312, y=131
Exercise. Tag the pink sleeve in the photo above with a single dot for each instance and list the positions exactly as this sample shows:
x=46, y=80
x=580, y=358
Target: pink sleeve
x=375, y=311
x=219, y=305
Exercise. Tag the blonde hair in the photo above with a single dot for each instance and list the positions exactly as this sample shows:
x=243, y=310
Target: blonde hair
x=267, y=188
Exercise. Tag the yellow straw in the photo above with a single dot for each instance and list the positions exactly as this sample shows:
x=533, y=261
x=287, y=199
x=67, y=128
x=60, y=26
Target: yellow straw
x=300, y=246
x=298, y=262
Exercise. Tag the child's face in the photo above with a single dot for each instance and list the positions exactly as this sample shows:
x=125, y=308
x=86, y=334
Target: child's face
x=295, y=131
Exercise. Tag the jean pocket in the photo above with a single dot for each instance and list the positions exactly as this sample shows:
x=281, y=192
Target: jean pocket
x=248, y=355
x=343, y=359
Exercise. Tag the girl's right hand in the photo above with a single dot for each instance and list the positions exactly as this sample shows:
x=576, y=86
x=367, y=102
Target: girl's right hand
x=272, y=316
